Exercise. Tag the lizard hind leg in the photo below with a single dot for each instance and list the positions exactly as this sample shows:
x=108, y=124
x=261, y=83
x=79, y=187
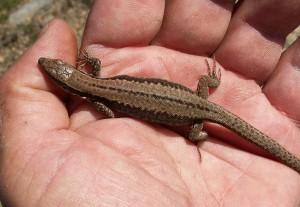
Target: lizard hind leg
x=197, y=135
x=104, y=109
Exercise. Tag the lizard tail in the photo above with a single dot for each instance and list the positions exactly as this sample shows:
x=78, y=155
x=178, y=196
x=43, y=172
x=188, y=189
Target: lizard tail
x=248, y=132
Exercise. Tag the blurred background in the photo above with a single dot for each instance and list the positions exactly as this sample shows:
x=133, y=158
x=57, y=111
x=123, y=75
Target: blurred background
x=21, y=21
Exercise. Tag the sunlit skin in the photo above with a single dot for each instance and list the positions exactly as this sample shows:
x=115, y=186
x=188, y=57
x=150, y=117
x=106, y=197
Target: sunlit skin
x=58, y=150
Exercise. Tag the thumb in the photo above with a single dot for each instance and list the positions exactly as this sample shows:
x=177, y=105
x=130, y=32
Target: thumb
x=25, y=114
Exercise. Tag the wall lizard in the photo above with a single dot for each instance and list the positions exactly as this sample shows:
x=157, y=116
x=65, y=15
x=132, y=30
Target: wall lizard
x=159, y=101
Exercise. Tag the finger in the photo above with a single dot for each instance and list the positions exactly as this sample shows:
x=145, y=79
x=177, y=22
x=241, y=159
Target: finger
x=25, y=107
x=115, y=23
x=27, y=111
x=256, y=35
x=194, y=26
x=282, y=89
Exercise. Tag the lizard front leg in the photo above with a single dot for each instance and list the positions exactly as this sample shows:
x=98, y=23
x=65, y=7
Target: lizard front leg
x=212, y=80
x=95, y=63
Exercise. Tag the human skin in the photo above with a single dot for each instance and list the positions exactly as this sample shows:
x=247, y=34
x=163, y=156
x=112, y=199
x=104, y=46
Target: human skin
x=57, y=150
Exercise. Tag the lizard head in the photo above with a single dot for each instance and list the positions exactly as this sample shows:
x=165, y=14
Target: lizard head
x=56, y=68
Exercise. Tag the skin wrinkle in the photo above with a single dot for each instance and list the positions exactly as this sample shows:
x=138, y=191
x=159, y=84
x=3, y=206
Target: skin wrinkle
x=242, y=170
x=127, y=63
x=227, y=191
x=132, y=130
x=287, y=114
x=16, y=178
x=27, y=165
x=152, y=143
x=43, y=193
x=178, y=172
x=141, y=168
x=148, y=141
x=282, y=109
x=207, y=186
x=60, y=165
x=29, y=184
x=296, y=67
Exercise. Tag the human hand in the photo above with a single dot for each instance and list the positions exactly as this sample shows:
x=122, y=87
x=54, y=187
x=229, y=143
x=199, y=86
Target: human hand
x=58, y=150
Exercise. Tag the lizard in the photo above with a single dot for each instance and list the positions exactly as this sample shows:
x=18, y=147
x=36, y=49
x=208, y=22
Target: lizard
x=159, y=101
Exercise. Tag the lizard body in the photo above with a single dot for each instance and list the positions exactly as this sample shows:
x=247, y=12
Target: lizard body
x=159, y=101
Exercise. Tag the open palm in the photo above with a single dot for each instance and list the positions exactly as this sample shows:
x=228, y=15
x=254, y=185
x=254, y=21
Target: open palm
x=57, y=150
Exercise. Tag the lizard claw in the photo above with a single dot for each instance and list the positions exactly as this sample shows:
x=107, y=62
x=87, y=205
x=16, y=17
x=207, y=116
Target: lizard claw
x=81, y=58
x=212, y=72
x=84, y=58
